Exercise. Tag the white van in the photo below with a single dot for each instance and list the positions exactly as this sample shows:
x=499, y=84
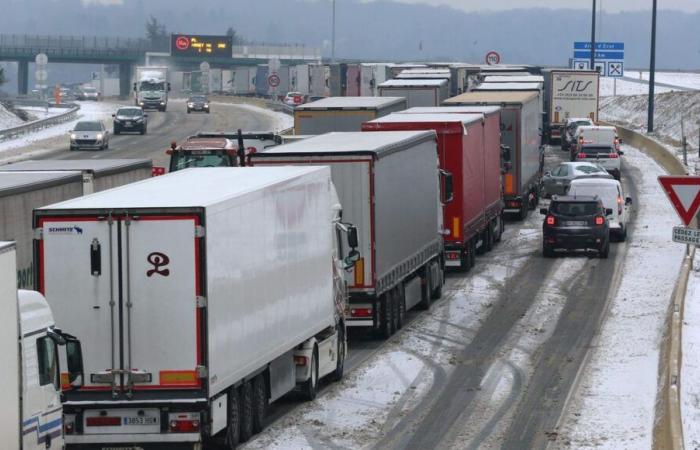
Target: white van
x=594, y=135
x=612, y=195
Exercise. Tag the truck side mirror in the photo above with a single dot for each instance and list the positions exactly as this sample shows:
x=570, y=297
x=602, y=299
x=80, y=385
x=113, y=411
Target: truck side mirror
x=74, y=354
x=351, y=259
x=505, y=153
x=134, y=87
x=628, y=201
x=168, y=86
x=447, y=186
x=608, y=211
x=352, y=237
x=543, y=211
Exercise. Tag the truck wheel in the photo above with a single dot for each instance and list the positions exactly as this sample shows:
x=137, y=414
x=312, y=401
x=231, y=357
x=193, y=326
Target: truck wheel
x=401, y=300
x=426, y=299
x=524, y=208
x=233, y=428
x=259, y=403
x=246, y=411
x=489, y=237
x=395, y=310
x=472, y=254
x=499, y=229
x=437, y=292
x=386, y=324
x=623, y=234
x=337, y=374
x=309, y=387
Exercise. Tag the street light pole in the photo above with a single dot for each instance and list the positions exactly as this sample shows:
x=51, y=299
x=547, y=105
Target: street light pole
x=652, y=70
x=593, y=37
x=333, y=36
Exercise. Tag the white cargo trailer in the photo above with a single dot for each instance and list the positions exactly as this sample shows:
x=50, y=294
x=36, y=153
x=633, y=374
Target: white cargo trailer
x=200, y=296
x=570, y=93
x=371, y=76
x=31, y=374
x=318, y=84
x=416, y=92
x=30, y=184
x=343, y=113
x=388, y=184
x=300, y=78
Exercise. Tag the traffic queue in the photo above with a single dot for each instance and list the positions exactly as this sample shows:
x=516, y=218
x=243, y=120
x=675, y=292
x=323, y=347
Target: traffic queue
x=201, y=296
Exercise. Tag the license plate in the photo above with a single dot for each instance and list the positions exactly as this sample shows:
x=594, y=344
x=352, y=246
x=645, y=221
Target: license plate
x=128, y=125
x=140, y=421
x=575, y=223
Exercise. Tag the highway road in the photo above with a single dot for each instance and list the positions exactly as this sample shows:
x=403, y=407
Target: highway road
x=534, y=341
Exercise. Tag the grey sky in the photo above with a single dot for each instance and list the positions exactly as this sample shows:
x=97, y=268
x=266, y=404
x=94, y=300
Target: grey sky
x=611, y=6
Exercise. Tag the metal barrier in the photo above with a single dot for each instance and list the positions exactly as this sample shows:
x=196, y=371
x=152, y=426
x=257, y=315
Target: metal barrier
x=29, y=127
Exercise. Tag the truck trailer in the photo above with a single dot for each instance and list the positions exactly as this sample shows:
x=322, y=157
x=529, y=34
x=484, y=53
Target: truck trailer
x=32, y=376
x=388, y=184
x=30, y=184
x=469, y=149
x=200, y=296
x=569, y=93
x=520, y=134
x=416, y=92
x=342, y=113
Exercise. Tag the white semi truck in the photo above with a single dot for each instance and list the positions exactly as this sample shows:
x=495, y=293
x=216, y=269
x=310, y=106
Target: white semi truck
x=201, y=296
x=31, y=377
x=151, y=87
x=569, y=93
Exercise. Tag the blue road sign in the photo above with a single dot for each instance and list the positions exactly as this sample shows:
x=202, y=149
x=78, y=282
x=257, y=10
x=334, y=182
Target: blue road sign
x=583, y=54
x=599, y=45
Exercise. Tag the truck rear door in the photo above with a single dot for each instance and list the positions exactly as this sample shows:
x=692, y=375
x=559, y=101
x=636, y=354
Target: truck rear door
x=128, y=287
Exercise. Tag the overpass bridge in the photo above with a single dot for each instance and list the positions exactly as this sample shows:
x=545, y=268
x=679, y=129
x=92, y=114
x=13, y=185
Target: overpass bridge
x=128, y=52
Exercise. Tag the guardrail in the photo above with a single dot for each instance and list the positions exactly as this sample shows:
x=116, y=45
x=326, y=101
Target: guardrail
x=29, y=127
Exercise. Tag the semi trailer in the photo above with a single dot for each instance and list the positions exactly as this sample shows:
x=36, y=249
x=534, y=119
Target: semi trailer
x=342, y=113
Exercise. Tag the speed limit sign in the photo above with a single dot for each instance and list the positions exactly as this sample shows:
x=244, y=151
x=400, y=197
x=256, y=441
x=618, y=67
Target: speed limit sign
x=273, y=80
x=493, y=58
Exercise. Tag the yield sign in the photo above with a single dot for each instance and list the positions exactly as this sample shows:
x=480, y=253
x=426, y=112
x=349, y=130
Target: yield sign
x=684, y=193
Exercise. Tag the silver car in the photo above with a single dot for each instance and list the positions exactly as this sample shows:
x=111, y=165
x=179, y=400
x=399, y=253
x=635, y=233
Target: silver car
x=89, y=134
x=88, y=93
x=557, y=181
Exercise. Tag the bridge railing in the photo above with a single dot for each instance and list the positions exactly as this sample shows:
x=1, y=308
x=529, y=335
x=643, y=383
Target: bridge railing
x=74, y=42
x=300, y=52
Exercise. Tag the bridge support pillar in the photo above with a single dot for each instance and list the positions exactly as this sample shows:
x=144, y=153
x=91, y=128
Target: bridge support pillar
x=124, y=81
x=23, y=77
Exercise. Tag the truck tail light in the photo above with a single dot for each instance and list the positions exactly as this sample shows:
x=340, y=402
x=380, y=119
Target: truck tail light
x=361, y=312
x=599, y=220
x=360, y=272
x=508, y=183
x=300, y=360
x=69, y=428
x=103, y=421
x=582, y=155
x=455, y=227
x=551, y=221
x=614, y=155
x=157, y=171
x=183, y=422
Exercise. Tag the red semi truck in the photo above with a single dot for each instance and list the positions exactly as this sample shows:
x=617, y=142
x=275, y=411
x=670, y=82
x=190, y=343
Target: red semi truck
x=469, y=149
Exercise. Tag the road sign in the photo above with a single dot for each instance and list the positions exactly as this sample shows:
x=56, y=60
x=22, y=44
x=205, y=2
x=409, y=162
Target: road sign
x=273, y=80
x=609, y=57
x=580, y=64
x=686, y=235
x=493, y=58
x=40, y=75
x=684, y=193
x=41, y=59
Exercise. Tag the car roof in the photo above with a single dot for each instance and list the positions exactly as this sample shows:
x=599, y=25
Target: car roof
x=89, y=121
x=597, y=128
x=130, y=107
x=575, y=198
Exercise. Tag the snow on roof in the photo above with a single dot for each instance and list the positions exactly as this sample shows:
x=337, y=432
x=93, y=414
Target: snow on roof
x=351, y=103
x=491, y=98
x=413, y=83
x=99, y=166
x=509, y=87
x=442, y=118
x=514, y=79
x=450, y=110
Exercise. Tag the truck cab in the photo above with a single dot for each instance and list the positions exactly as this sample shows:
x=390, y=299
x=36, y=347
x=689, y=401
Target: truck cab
x=151, y=87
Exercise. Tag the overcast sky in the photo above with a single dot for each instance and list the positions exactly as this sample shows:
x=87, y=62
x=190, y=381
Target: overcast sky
x=611, y=6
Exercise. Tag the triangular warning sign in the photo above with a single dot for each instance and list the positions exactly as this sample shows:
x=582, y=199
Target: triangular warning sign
x=684, y=193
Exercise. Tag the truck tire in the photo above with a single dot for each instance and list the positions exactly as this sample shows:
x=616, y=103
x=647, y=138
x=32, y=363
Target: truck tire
x=337, y=374
x=310, y=386
x=401, y=296
x=472, y=254
x=246, y=411
x=259, y=403
x=426, y=299
x=437, y=291
x=233, y=428
x=489, y=236
x=386, y=321
x=499, y=228
x=395, y=310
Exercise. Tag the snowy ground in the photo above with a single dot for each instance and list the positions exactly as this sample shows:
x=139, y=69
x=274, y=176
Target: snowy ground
x=690, y=377
x=282, y=121
x=8, y=119
x=614, y=405
x=38, y=112
x=610, y=87
x=88, y=111
x=689, y=80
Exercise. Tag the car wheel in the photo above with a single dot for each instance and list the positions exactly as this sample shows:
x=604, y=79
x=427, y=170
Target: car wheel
x=188, y=111
x=106, y=145
x=547, y=251
x=116, y=130
x=605, y=251
x=143, y=131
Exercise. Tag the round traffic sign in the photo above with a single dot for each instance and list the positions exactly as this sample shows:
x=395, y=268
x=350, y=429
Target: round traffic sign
x=204, y=66
x=40, y=75
x=273, y=80
x=182, y=43
x=41, y=59
x=493, y=58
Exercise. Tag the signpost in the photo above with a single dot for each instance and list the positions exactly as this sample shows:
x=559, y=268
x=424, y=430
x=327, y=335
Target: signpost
x=493, y=58
x=609, y=58
x=41, y=74
x=684, y=194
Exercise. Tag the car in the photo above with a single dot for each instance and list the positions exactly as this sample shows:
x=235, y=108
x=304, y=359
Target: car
x=89, y=134
x=575, y=223
x=612, y=194
x=294, y=99
x=557, y=180
x=198, y=103
x=130, y=118
x=569, y=128
x=593, y=135
x=606, y=156
x=87, y=93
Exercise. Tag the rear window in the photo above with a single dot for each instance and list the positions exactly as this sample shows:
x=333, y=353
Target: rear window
x=598, y=149
x=589, y=169
x=601, y=190
x=574, y=208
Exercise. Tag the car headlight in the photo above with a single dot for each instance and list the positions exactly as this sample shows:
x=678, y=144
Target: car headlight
x=190, y=104
x=141, y=103
x=206, y=105
x=99, y=136
x=73, y=136
x=162, y=103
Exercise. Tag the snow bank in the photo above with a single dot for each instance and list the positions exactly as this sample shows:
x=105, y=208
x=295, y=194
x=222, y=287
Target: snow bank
x=281, y=120
x=690, y=375
x=8, y=119
x=608, y=87
x=690, y=80
x=614, y=405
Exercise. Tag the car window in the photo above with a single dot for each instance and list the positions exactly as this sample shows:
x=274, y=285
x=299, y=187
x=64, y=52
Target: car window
x=601, y=190
x=556, y=171
x=574, y=208
x=598, y=149
x=589, y=169
x=88, y=126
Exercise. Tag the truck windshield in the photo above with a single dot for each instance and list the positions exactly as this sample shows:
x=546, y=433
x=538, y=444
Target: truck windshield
x=152, y=86
x=184, y=160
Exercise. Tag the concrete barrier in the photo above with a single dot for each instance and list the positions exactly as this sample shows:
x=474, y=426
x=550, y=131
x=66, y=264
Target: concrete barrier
x=668, y=420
